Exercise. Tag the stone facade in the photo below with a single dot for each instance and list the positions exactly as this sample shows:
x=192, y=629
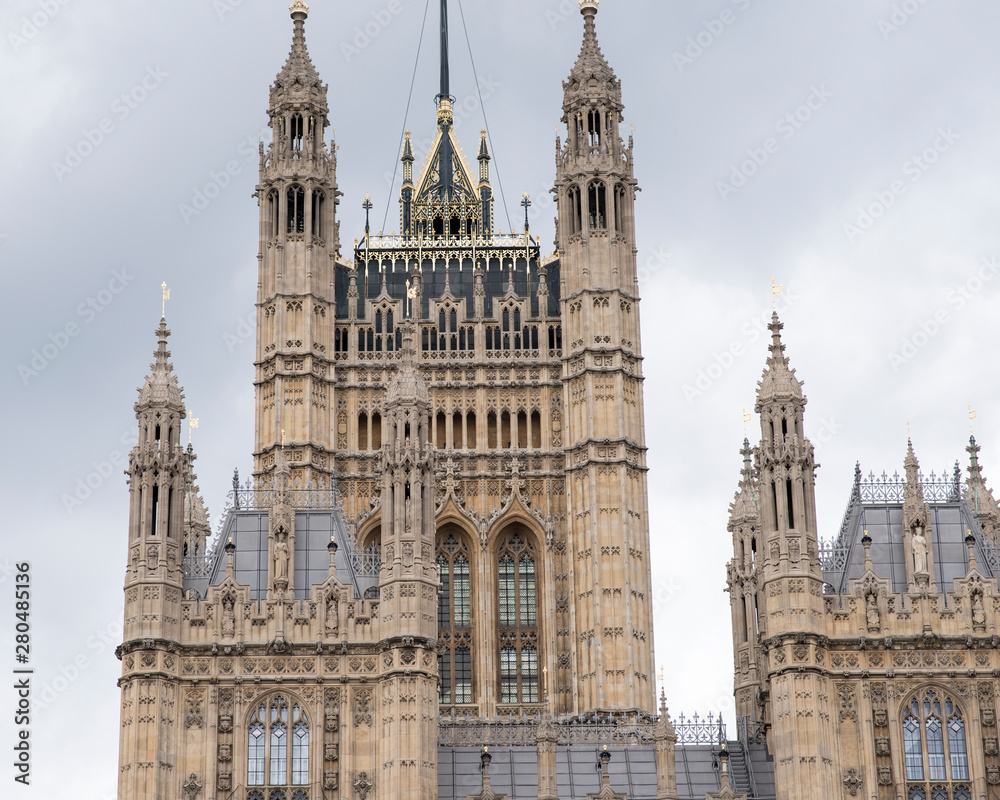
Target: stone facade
x=871, y=669
x=469, y=416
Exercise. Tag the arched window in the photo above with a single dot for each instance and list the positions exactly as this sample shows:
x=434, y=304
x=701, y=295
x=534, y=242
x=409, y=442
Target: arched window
x=454, y=618
x=318, y=200
x=296, y=210
x=517, y=618
x=935, y=749
x=296, y=136
x=278, y=746
x=598, y=205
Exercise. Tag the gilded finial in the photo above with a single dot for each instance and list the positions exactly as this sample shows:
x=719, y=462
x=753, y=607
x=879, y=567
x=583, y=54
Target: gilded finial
x=298, y=7
x=972, y=415
x=746, y=421
x=192, y=423
x=775, y=291
x=166, y=296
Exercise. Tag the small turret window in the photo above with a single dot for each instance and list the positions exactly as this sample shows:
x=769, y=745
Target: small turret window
x=594, y=128
x=598, y=206
x=296, y=210
x=318, y=201
x=296, y=135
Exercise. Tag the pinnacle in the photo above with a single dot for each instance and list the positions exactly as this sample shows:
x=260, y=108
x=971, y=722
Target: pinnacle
x=591, y=62
x=299, y=67
x=779, y=381
x=161, y=387
x=407, y=385
x=744, y=507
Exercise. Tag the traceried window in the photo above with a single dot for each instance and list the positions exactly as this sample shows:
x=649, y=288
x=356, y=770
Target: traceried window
x=517, y=617
x=935, y=752
x=277, y=748
x=454, y=618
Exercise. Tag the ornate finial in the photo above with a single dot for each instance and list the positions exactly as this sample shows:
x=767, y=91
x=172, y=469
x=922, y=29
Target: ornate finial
x=972, y=415
x=589, y=7
x=166, y=296
x=775, y=291
x=746, y=421
x=192, y=423
x=298, y=7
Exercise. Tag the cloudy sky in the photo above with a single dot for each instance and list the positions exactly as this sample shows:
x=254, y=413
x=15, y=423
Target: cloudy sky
x=847, y=149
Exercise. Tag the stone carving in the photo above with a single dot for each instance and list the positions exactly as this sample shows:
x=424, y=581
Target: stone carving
x=192, y=787
x=919, y=544
x=332, y=615
x=362, y=785
x=193, y=717
x=281, y=559
x=872, y=613
x=852, y=780
x=363, y=708
x=228, y=614
x=978, y=612
x=848, y=702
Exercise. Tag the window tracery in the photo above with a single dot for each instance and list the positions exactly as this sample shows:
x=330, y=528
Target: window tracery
x=517, y=618
x=935, y=749
x=277, y=748
x=454, y=618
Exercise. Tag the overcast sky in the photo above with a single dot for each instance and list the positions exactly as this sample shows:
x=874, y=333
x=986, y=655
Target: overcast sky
x=848, y=149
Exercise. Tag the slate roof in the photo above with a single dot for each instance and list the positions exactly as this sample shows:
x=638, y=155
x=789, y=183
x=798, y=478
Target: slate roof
x=514, y=771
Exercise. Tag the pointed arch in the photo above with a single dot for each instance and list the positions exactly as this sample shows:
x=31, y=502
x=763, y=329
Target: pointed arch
x=935, y=745
x=277, y=741
x=455, y=559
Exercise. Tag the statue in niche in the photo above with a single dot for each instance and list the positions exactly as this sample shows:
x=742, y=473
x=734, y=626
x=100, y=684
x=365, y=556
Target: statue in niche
x=919, y=542
x=228, y=615
x=872, y=613
x=332, y=615
x=281, y=558
x=978, y=612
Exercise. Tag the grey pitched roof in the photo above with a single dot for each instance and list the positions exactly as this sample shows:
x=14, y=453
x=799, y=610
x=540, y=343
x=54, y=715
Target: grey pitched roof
x=514, y=771
x=876, y=505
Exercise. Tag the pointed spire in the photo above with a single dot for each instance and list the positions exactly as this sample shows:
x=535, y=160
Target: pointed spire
x=484, y=150
x=161, y=387
x=978, y=495
x=911, y=466
x=744, y=507
x=591, y=79
x=591, y=61
x=778, y=381
x=298, y=84
x=299, y=65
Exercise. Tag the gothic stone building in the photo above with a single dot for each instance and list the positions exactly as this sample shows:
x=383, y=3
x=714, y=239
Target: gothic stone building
x=437, y=582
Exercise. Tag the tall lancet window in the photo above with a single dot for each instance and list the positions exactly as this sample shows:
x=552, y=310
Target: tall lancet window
x=935, y=750
x=296, y=210
x=278, y=746
x=454, y=618
x=517, y=617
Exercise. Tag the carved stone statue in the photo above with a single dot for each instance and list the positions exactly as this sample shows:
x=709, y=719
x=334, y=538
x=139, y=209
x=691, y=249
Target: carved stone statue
x=228, y=615
x=332, y=615
x=978, y=613
x=919, y=542
x=872, y=613
x=281, y=559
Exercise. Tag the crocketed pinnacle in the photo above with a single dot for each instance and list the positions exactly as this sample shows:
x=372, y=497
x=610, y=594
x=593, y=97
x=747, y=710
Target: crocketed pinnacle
x=484, y=150
x=591, y=62
x=195, y=513
x=299, y=67
x=978, y=494
x=407, y=149
x=161, y=387
x=744, y=507
x=407, y=385
x=779, y=381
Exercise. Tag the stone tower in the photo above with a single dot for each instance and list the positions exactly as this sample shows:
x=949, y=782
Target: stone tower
x=792, y=580
x=299, y=241
x=158, y=474
x=408, y=585
x=602, y=377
